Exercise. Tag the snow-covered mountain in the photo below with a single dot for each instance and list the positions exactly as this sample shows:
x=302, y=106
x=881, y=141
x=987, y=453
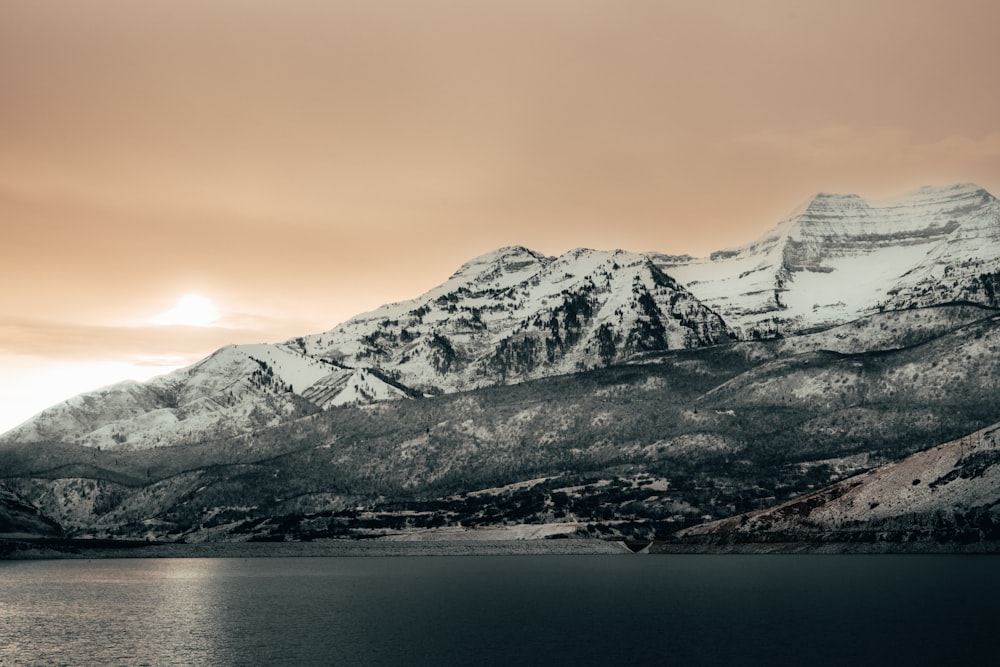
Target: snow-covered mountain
x=837, y=257
x=239, y=388
x=504, y=317
x=514, y=314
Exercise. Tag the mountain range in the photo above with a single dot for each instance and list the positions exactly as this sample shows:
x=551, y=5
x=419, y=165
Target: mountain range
x=851, y=334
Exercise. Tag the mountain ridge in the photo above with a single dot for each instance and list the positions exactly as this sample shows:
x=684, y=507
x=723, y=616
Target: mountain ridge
x=514, y=314
x=836, y=257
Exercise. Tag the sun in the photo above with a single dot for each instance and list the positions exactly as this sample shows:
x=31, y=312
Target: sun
x=192, y=310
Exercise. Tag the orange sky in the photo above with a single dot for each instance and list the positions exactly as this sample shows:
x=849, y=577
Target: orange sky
x=301, y=161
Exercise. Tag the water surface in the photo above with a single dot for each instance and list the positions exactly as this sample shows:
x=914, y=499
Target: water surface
x=552, y=610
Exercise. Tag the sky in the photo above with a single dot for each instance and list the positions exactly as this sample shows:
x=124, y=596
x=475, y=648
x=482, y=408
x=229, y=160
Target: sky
x=177, y=175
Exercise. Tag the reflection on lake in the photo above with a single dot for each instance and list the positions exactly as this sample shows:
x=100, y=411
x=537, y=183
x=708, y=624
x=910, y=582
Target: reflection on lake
x=500, y=610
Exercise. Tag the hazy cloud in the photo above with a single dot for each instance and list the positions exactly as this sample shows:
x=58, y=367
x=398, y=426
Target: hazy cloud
x=156, y=345
x=853, y=144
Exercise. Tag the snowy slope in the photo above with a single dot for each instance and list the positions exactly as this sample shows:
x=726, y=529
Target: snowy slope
x=946, y=492
x=225, y=394
x=237, y=389
x=294, y=369
x=354, y=386
x=837, y=257
x=965, y=265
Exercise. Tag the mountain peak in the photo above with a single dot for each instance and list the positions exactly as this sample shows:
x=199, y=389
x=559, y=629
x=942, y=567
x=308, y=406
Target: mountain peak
x=826, y=205
x=510, y=253
x=953, y=189
x=505, y=260
x=943, y=197
x=884, y=254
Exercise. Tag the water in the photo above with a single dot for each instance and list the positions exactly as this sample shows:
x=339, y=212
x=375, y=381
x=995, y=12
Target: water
x=551, y=610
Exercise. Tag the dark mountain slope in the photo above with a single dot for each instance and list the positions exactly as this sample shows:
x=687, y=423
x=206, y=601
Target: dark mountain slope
x=21, y=519
x=715, y=431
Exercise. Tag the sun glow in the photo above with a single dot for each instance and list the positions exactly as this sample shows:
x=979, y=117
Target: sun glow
x=192, y=310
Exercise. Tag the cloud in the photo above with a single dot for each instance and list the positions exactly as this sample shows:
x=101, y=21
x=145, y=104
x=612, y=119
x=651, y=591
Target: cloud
x=147, y=345
x=842, y=143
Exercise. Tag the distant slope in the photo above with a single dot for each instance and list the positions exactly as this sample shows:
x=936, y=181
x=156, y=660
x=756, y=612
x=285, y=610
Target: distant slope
x=238, y=389
x=947, y=493
x=229, y=392
x=953, y=367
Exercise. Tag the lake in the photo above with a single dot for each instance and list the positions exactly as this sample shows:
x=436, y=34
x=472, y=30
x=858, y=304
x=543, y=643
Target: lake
x=500, y=610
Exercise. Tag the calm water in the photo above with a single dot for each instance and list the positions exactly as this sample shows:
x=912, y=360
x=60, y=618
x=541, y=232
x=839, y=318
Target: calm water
x=551, y=610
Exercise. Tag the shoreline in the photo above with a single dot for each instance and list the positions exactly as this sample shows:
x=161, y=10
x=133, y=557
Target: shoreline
x=60, y=549
x=823, y=548
x=42, y=549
